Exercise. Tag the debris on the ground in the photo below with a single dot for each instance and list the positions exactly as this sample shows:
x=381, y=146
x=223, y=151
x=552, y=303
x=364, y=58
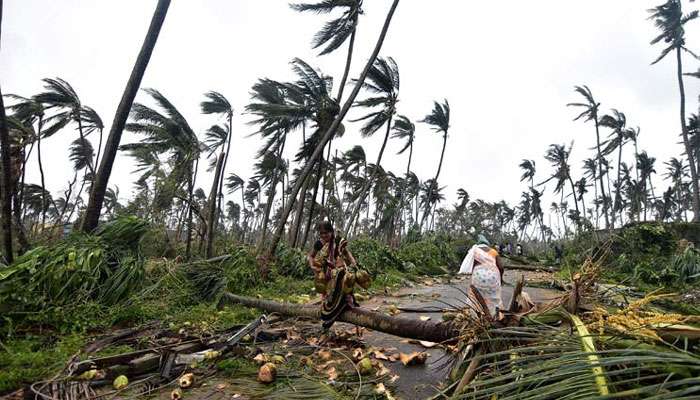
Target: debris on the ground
x=365, y=366
x=176, y=394
x=415, y=358
x=267, y=373
x=120, y=382
x=186, y=380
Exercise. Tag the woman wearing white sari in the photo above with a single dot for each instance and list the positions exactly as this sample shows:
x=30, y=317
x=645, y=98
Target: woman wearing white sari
x=484, y=265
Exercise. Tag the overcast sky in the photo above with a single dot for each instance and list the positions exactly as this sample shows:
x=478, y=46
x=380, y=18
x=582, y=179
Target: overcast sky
x=507, y=68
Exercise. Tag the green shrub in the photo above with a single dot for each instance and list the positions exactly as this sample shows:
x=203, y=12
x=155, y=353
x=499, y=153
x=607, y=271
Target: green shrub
x=237, y=272
x=374, y=256
x=291, y=262
x=686, y=265
x=424, y=255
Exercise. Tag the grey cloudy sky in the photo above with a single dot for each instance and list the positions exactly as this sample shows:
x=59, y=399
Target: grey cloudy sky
x=507, y=68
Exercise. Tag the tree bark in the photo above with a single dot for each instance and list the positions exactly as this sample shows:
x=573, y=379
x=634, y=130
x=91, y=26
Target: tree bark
x=430, y=191
x=190, y=192
x=213, y=205
x=97, y=195
x=686, y=142
x=279, y=229
x=437, y=332
x=6, y=194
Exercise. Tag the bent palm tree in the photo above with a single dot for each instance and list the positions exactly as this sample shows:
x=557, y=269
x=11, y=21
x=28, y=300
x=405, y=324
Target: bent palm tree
x=590, y=113
x=439, y=118
x=99, y=187
x=383, y=83
x=670, y=21
x=617, y=121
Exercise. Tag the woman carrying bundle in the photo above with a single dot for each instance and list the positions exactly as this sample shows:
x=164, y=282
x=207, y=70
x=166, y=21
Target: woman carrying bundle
x=484, y=265
x=335, y=273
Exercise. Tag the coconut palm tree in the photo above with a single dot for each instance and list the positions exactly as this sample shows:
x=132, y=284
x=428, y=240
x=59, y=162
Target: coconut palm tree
x=294, y=192
x=99, y=187
x=218, y=137
x=167, y=132
x=558, y=156
x=439, y=119
x=590, y=113
x=670, y=21
x=590, y=170
x=233, y=183
x=6, y=195
x=616, y=121
x=528, y=167
x=676, y=171
x=383, y=85
x=335, y=32
x=645, y=168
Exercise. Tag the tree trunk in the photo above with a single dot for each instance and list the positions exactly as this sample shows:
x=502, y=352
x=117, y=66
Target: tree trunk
x=600, y=172
x=213, y=205
x=368, y=184
x=437, y=332
x=190, y=192
x=430, y=191
x=279, y=229
x=271, y=196
x=6, y=194
x=686, y=142
x=97, y=195
x=348, y=61
x=319, y=170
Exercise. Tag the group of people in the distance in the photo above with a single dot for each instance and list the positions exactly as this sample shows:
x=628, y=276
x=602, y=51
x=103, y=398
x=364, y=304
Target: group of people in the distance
x=336, y=273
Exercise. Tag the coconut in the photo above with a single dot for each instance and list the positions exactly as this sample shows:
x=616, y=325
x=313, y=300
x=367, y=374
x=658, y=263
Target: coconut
x=363, y=279
x=176, y=394
x=120, y=382
x=186, y=380
x=365, y=366
x=277, y=359
x=348, y=283
x=267, y=373
x=88, y=375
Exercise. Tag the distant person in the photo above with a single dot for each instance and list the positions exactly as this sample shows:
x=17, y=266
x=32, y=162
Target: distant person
x=509, y=248
x=519, y=250
x=558, y=253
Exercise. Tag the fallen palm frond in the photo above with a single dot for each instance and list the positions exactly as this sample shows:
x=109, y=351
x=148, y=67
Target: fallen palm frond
x=549, y=363
x=105, y=267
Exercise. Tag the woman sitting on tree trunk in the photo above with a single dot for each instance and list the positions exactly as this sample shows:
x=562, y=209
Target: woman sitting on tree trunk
x=335, y=273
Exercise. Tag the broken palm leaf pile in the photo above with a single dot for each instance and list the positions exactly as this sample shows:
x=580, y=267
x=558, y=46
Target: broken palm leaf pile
x=105, y=267
x=575, y=348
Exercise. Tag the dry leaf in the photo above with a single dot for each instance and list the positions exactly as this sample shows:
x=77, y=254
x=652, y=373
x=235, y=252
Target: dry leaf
x=414, y=358
x=379, y=388
x=379, y=355
x=382, y=370
x=427, y=344
x=394, y=357
x=424, y=318
x=393, y=378
x=221, y=386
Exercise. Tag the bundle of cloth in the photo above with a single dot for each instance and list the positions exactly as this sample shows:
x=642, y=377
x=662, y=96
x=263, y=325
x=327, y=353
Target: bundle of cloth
x=483, y=263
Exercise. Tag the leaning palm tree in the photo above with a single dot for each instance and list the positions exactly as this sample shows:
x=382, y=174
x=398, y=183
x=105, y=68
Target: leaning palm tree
x=233, y=183
x=590, y=113
x=383, y=84
x=439, y=119
x=670, y=21
x=645, y=168
x=99, y=187
x=219, y=137
x=335, y=32
x=167, y=132
x=325, y=138
x=590, y=171
x=528, y=167
x=405, y=130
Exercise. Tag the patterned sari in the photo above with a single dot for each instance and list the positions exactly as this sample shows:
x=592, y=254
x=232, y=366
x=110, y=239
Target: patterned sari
x=329, y=280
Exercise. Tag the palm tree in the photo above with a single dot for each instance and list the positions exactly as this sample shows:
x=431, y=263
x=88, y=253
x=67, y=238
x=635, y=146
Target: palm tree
x=404, y=129
x=335, y=32
x=528, y=167
x=383, y=84
x=590, y=113
x=676, y=170
x=617, y=122
x=233, y=183
x=168, y=132
x=294, y=192
x=439, y=119
x=581, y=190
x=645, y=167
x=590, y=169
x=670, y=21
x=558, y=156
x=6, y=182
x=99, y=187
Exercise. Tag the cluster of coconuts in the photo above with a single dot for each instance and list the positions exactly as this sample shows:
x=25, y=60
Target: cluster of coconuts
x=360, y=278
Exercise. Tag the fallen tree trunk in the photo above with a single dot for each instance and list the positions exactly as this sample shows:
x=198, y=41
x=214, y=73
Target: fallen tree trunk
x=437, y=332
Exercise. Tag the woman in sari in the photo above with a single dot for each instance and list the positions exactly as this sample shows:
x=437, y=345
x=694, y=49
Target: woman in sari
x=484, y=265
x=331, y=261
